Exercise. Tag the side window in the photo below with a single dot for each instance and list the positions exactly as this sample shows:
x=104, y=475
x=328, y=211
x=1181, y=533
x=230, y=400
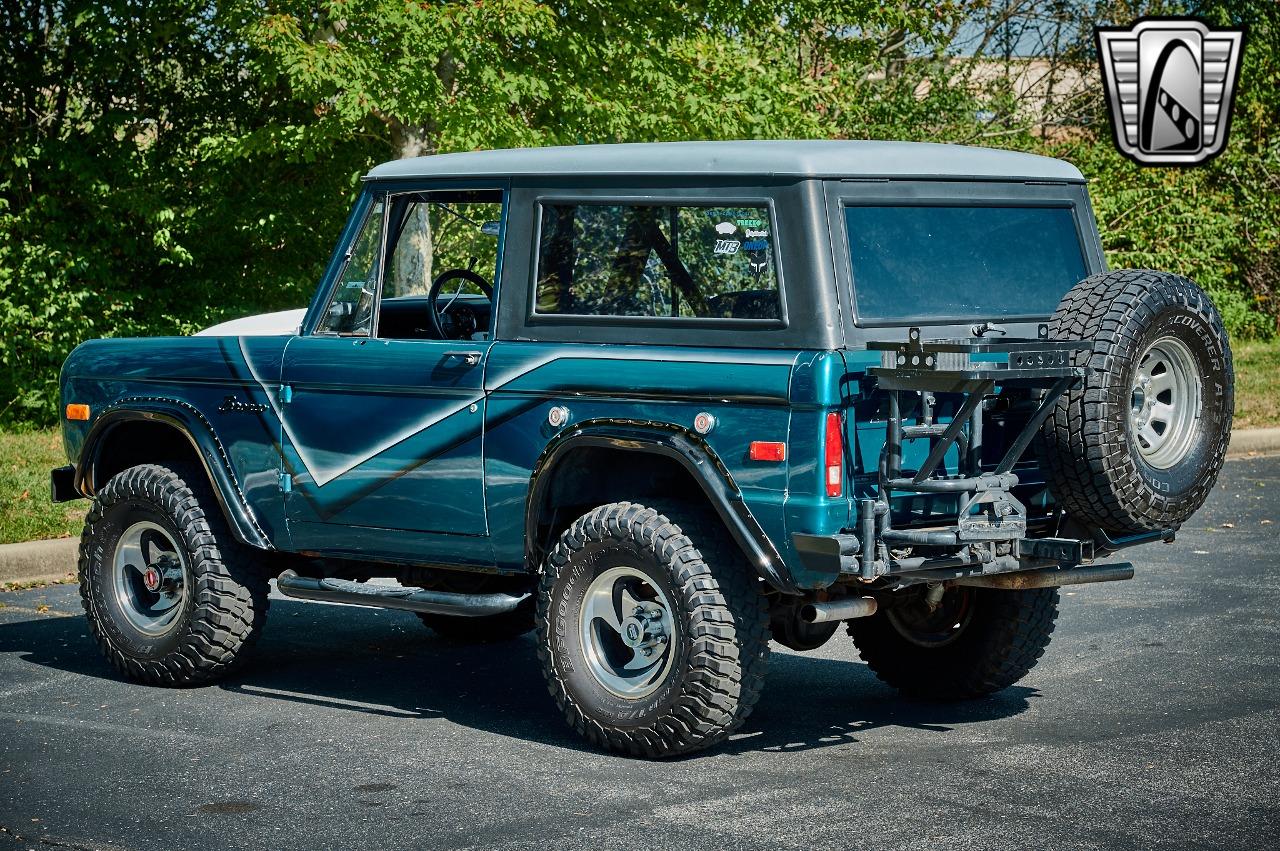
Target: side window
x=682, y=262
x=350, y=309
x=446, y=241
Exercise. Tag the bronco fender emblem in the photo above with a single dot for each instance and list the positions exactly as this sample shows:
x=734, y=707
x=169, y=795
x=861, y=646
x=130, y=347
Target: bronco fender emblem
x=233, y=405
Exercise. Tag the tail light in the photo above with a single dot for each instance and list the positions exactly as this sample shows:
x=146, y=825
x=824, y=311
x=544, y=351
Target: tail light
x=833, y=462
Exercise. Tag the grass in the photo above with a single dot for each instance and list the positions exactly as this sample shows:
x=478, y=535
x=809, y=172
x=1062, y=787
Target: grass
x=1257, y=384
x=29, y=584
x=26, y=514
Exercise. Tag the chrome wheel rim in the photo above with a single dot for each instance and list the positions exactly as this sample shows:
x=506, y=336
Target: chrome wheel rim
x=626, y=629
x=1164, y=403
x=149, y=578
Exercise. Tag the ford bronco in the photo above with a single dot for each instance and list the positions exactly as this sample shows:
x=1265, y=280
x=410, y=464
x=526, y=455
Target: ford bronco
x=662, y=404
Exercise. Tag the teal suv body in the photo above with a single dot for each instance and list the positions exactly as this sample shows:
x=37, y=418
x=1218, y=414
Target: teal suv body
x=661, y=404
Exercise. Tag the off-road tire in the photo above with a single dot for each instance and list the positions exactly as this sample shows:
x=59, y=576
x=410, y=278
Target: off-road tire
x=1003, y=639
x=1087, y=447
x=226, y=606
x=721, y=621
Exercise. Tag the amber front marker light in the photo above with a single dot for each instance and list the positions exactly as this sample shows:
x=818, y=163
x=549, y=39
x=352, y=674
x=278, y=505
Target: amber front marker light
x=77, y=412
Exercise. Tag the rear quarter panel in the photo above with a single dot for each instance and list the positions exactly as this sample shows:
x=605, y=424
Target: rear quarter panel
x=751, y=393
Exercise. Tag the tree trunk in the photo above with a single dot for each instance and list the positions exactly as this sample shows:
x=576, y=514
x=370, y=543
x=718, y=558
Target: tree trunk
x=895, y=54
x=411, y=262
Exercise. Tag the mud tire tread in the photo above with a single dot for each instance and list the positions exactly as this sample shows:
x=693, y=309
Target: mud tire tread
x=1083, y=446
x=728, y=625
x=1014, y=629
x=229, y=593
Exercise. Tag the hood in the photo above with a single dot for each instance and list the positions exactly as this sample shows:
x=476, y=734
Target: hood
x=279, y=324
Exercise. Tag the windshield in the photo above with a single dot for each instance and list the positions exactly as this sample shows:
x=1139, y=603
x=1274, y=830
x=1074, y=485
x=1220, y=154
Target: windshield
x=914, y=263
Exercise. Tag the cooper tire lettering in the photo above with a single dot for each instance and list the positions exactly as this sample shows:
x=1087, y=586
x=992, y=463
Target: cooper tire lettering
x=1100, y=459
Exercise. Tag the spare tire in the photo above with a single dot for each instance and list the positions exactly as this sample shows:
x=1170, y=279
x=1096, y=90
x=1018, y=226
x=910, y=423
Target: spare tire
x=1138, y=445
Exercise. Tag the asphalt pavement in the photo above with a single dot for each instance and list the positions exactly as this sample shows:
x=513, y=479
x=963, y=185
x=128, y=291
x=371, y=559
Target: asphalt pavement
x=1152, y=721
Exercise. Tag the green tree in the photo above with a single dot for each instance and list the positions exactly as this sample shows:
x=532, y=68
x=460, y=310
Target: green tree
x=426, y=78
x=436, y=77
x=1251, y=170
x=168, y=164
x=1218, y=223
x=116, y=216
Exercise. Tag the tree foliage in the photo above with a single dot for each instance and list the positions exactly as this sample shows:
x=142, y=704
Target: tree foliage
x=117, y=217
x=165, y=164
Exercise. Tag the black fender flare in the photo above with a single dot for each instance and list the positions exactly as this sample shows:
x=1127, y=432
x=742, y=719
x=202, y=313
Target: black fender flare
x=187, y=420
x=687, y=449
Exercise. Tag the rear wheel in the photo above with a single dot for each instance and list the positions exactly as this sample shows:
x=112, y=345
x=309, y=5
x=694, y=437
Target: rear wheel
x=171, y=598
x=653, y=636
x=972, y=642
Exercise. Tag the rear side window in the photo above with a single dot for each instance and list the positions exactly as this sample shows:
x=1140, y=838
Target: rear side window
x=681, y=262
x=920, y=262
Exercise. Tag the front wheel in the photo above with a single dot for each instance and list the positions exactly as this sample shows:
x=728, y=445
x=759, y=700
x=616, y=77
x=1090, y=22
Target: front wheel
x=170, y=596
x=653, y=636
x=970, y=643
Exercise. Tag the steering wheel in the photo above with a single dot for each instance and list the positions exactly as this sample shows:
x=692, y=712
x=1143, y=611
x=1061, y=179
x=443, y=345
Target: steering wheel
x=456, y=321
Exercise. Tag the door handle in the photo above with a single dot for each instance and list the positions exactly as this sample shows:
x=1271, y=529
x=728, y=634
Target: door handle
x=467, y=358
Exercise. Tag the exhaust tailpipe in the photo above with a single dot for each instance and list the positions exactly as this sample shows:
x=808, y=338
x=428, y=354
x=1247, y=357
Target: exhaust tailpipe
x=845, y=609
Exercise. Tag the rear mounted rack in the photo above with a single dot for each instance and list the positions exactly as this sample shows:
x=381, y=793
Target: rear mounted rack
x=989, y=533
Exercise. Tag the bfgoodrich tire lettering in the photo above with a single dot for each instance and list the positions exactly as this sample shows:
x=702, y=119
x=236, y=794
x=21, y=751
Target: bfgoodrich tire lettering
x=718, y=641
x=1097, y=468
x=225, y=601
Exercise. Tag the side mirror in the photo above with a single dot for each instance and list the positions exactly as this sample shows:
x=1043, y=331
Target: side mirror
x=491, y=228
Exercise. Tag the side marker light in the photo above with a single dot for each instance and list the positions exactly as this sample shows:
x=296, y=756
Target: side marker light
x=768, y=450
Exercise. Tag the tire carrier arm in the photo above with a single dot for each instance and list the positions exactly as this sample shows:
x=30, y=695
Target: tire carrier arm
x=988, y=535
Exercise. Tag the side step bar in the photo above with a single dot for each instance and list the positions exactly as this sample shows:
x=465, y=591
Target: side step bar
x=291, y=584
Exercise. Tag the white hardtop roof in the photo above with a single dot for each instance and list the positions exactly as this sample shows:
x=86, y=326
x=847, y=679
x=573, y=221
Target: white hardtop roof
x=807, y=158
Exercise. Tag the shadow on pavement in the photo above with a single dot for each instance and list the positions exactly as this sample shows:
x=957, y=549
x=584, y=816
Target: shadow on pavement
x=386, y=664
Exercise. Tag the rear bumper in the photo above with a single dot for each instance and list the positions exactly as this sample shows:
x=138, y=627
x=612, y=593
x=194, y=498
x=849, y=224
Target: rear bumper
x=840, y=555
x=62, y=484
